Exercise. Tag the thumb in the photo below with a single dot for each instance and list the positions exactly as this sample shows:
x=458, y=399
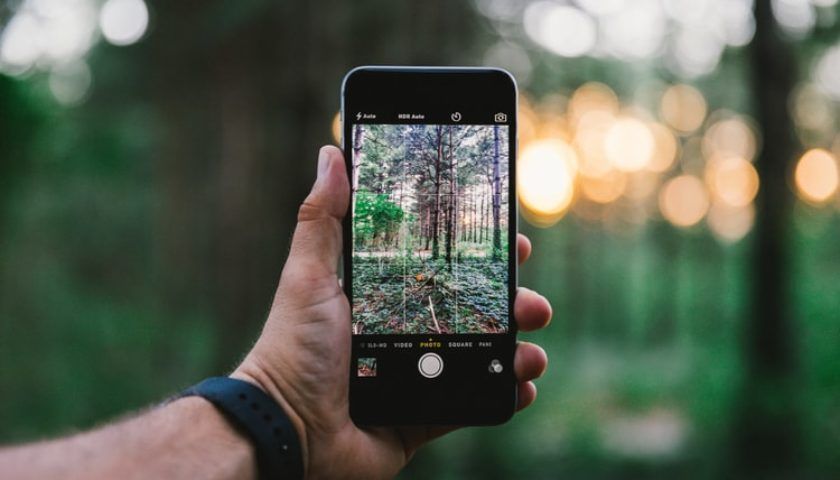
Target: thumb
x=316, y=245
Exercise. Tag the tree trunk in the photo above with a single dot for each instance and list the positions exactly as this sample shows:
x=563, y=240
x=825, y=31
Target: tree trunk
x=483, y=218
x=436, y=214
x=461, y=218
x=428, y=231
x=767, y=431
x=358, y=141
x=452, y=205
x=497, y=185
x=473, y=228
x=475, y=218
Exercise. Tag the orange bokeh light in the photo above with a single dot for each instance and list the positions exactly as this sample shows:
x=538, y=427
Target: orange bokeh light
x=816, y=176
x=546, y=177
x=730, y=136
x=733, y=180
x=336, y=128
x=683, y=108
x=683, y=201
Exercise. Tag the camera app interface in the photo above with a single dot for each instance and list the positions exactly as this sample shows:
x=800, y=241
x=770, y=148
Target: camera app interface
x=429, y=233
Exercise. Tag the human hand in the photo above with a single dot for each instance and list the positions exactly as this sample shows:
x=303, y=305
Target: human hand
x=302, y=357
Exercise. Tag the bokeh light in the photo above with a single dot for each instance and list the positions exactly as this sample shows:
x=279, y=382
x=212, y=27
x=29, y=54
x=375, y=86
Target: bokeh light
x=683, y=108
x=683, y=201
x=629, y=144
x=730, y=224
x=666, y=150
x=545, y=180
x=123, y=22
x=592, y=96
x=336, y=128
x=827, y=72
x=629, y=30
x=605, y=188
x=527, y=121
x=689, y=36
x=590, y=140
x=796, y=17
x=696, y=50
x=732, y=180
x=620, y=153
x=46, y=33
x=602, y=7
x=560, y=29
x=731, y=135
x=70, y=82
x=816, y=176
x=811, y=108
x=553, y=125
x=640, y=185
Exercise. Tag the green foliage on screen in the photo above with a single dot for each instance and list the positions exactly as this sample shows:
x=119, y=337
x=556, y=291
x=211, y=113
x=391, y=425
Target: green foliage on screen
x=377, y=218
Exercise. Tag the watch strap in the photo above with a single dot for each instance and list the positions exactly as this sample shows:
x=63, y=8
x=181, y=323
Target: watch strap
x=262, y=420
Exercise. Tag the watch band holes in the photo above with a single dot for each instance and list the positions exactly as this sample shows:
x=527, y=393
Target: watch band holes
x=267, y=417
x=242, y=396
x=276, y=431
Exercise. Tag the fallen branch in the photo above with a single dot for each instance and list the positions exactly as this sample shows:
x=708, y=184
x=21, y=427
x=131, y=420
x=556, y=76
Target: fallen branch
x=434, y=319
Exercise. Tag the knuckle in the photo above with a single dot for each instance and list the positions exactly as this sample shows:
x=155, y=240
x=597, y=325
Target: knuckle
x=310, y=211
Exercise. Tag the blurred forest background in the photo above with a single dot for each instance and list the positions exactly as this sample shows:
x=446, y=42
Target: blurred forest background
x=678, y=180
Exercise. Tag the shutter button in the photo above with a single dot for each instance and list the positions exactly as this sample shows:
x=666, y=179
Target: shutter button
x=430, y=365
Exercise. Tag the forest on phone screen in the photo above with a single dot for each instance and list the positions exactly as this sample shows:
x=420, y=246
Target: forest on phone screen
x=430, y=228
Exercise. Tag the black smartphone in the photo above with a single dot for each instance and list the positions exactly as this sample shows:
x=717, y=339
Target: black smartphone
x=430, y=264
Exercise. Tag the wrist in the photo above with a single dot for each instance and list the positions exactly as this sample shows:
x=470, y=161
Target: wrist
x=206, y=428
x=251, y=373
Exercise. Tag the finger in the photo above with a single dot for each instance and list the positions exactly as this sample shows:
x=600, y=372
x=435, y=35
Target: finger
x=531, y=310
x=523, y=246
x=527, y=395
x=529, y=362
x=316, y=245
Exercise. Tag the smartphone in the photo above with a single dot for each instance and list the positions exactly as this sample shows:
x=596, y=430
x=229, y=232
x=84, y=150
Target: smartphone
x=430, y=264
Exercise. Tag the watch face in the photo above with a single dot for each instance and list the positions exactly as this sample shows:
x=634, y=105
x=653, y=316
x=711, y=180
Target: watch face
x=430, y=267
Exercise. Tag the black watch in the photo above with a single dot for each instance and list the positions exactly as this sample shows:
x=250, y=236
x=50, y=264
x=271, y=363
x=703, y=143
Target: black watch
x=261, y=419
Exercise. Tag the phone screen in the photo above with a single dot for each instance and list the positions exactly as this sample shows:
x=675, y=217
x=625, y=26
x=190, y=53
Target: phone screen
x=429, y=259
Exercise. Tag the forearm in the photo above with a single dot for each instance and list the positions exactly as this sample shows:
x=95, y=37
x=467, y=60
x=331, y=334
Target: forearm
x=187, y=438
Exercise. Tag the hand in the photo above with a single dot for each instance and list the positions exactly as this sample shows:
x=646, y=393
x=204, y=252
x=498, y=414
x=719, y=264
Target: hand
x=302, y=357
